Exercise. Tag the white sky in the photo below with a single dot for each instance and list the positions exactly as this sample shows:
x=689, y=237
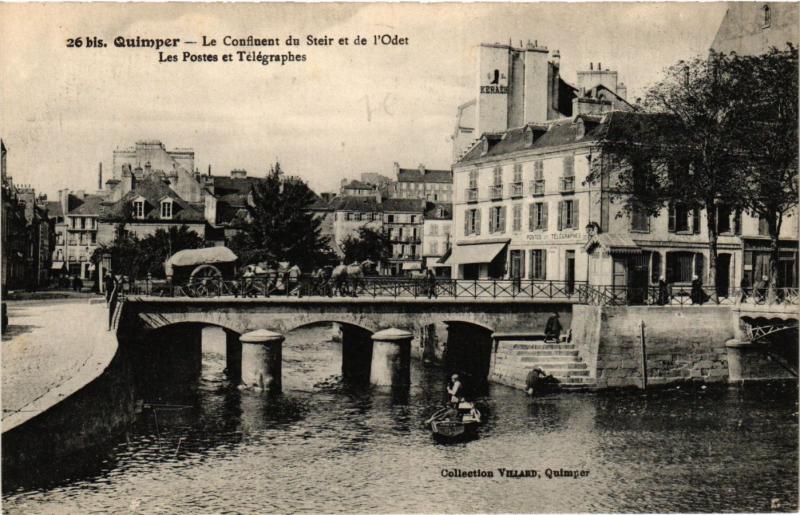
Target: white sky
x=64, y=110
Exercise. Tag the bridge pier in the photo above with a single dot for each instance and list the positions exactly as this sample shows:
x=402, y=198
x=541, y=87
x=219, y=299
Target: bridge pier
x=734, y=351
x=391, y=358
x=356, y=355
x=261, y=360
x=233, y=357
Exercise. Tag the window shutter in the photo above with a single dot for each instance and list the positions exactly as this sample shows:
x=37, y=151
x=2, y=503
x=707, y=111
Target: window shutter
x=466, y=222
x=544, y=263
x=477, y=221
x=575, y=214
x=569, y=166
x=531, y=217
x=696, y=221
x=502, y=220
x=560, y=215
x=545, y=211
x=737, y=222
x=671, y=222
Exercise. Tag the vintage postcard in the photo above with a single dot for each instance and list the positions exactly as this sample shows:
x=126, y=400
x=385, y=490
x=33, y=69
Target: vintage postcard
x=399, y=258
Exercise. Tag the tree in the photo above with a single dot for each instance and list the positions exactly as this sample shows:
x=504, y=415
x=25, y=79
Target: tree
x=156, y=248
x=281, y=227
x=677, y=148
x=369, y=244
x=767, y=134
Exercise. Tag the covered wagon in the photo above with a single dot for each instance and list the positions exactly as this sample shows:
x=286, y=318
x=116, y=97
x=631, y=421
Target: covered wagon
x=197, y=265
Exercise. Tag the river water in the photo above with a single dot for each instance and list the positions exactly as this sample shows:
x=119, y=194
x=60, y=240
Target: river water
x=323, y=447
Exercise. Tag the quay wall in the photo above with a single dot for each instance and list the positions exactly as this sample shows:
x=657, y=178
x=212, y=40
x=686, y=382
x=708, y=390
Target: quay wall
x=88, y=418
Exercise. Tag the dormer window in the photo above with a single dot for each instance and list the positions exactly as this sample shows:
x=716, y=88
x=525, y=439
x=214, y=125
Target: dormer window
x=166, y=209
x=767, y=16
x=138, y=208
x=580, y=129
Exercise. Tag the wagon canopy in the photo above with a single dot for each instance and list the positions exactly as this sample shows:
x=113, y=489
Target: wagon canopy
x=195, y=257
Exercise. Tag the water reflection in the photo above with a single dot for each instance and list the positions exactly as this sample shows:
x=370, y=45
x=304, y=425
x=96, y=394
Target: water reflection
x=324, y=445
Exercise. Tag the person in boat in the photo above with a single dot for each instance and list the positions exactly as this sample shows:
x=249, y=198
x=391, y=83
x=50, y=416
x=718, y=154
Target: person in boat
x=552, y=329
x=455, y=389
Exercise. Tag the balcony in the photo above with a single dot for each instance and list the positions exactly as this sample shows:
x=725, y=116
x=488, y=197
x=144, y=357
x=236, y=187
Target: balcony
x=567, y=185
x=537, y=187
x=496, y=192
x=516, y=190
x=472, y=194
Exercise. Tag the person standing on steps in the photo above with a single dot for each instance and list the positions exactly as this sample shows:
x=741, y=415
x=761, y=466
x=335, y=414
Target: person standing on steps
x=552, y=330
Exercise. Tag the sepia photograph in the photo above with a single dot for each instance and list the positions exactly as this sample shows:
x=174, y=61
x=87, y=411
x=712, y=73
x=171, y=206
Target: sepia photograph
x=399, y=257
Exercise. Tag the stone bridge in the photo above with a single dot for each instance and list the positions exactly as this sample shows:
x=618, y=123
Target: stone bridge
x=463, y=325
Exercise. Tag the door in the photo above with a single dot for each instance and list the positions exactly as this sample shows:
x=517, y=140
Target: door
x=471, y=271
x=723, y=274
x=570, y=271
x=516, y=268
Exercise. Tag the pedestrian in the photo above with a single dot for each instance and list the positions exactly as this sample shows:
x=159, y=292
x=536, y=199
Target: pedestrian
x=663, y=291
x=552, y=329
x=74, y=283
x=744, y=286
x=294, y=274
x=760, y=289
x=430, y=279
x=247, y=279
x=697, y=294
x=108, y=285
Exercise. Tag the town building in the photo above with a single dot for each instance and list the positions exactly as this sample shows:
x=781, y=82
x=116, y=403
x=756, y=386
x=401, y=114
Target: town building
x=151, y=204
x=436, y=231
x=403, y=224
x=356, y=188
x=149, y=157
x=522, y=84
x=421, y=183
x=752, y=28
x=351, y=213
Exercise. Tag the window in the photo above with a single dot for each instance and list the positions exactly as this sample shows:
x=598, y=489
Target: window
x=569, y=166
x=724, y=225
x=640, y=221
x=682, y=265
x=517, y=221
x=497, y=219
x=678, y=218
x=348, y=217
x=357, y=217
x=763, y=226
x=434, y=248
x=767, y=17
x=94, y=238
x=413, y=219
x=472, y=222
x=390, y=218
x=537, y=217
x=568, y=214
x=498, y=176
x=518, y=173
x=166, y=209
x=473, y=179
x=538, y=269
x=83, y=222
x=138, y=209
x=537, y=186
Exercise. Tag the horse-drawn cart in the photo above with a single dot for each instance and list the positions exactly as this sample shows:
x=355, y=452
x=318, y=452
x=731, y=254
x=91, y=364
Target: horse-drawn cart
x=204, y=272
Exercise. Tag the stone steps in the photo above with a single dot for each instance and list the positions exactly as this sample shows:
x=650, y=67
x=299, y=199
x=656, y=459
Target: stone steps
x=516, y=357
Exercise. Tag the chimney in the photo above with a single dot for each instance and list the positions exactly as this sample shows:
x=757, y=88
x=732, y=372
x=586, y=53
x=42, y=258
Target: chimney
x=422, y=169
x=100, y=176
x=209, y=170
x=591, y=66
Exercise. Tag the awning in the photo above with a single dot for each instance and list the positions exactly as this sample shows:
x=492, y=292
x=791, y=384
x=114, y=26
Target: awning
x=412, y=265
x=476, y=253
x=614, y=244
x=57, y=265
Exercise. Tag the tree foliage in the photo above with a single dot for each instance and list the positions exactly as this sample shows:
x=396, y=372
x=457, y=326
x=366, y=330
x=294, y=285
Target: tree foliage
x=370, y=244
x=137, y=257
x=281, y=227
x=679, y=147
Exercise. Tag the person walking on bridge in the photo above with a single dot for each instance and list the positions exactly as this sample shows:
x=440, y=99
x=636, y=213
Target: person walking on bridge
x=430, y=280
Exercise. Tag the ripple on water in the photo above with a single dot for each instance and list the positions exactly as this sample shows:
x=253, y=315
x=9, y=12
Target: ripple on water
x=324, y=447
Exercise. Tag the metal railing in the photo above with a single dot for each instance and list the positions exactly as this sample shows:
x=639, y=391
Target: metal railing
x=516, y=189
x=537, y=187
x=496, y=192
x=472, y=194
x=383, y=286
x=567, y=185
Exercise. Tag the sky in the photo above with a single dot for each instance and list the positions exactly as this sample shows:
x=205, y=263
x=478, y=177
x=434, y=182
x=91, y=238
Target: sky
x=345, y=110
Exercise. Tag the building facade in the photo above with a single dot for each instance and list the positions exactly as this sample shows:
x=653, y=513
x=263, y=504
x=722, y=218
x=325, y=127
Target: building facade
x=436, y=233
x=751, y=28
x=421, y=183
x=403, y=223
x=351, y=213
x=524, y=209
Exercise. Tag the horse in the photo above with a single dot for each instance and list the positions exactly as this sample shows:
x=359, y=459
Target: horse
x=347, y=279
